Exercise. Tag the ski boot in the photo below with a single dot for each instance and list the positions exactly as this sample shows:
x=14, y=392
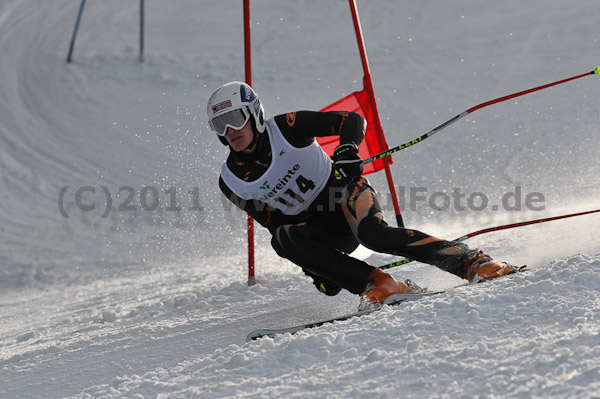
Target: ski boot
x=381, y=285
x=479, y=266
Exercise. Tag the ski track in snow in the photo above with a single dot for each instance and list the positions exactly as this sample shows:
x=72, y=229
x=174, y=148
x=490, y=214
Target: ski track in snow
x=155, y=304
x=527, y=337
x=533, y=335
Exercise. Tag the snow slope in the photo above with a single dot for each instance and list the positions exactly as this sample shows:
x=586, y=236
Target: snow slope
x=141, y=302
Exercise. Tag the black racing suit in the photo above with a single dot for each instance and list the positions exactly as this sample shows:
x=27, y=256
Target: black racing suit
x=320, y=238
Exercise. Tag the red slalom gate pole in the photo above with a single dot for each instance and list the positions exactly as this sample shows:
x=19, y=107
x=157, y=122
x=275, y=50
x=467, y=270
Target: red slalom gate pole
x=368, y=84
x=497, y=228
x=248, y=71
x=473, y=109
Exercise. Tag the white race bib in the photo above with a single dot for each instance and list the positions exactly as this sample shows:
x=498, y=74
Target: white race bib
x=293, y=179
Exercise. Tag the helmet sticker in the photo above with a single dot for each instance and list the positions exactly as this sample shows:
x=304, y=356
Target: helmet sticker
x=221, y=106
x=256, y=107
x=246, y=94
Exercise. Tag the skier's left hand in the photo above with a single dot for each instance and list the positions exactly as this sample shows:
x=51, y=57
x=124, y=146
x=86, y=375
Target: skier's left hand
x=347, y=165
x=325, y=286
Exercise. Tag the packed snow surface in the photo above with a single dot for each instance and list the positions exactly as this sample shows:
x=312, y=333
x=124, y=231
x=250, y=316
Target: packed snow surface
x=123, y=272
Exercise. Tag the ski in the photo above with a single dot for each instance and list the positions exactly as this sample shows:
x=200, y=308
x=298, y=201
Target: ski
x=393, y=300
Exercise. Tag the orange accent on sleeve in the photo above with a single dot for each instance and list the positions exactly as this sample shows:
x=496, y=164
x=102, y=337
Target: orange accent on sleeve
x=425, y=241
x=269, y=216
x=290, y=118
x=344, y=116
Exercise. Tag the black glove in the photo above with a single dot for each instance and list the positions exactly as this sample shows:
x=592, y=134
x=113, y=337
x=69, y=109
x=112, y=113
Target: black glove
x=347, y=165
x=325, y=286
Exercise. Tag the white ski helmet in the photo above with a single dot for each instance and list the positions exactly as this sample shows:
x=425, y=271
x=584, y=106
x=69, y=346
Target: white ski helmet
x=232, y=105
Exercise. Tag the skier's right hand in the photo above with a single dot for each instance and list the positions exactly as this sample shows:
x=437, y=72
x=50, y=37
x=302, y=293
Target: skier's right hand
x=347, y=164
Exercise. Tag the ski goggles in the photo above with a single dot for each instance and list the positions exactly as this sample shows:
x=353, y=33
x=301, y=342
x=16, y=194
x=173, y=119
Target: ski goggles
x=235, y=119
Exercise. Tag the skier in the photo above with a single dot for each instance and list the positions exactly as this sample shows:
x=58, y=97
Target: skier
x=318, y=209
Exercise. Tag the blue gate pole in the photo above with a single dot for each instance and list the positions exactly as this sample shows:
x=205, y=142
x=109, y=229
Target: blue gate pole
x=75, y=31
x=141, y=30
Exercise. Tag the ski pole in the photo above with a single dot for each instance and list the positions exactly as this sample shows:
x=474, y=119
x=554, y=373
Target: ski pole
x=496, y=228
x=470, y=110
